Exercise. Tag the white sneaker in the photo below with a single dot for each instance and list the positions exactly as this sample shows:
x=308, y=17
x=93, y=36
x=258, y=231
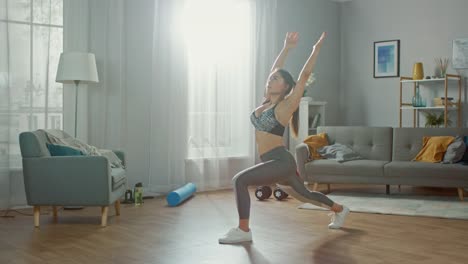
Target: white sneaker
x=338, y=219
x=236, y=235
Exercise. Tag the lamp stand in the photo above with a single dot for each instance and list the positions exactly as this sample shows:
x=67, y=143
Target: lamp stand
x=76, y=104
x=76, y=115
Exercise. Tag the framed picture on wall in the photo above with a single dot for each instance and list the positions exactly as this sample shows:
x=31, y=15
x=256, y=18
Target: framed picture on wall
x=387, y=58
x=460, y=53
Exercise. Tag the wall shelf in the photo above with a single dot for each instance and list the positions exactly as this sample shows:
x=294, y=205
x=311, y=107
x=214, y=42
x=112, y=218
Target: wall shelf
x=439, y=83
x=429, y=80
x=442, y=108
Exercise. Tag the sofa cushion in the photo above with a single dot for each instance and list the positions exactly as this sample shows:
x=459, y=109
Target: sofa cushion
x=455, y=151
x=434, y=148
x=315, y=142
x=338, y=152
x=426, y=174
x=118, y=177
x=465, y=156
x=371, y=168
x=373, y=143
x=407, y=140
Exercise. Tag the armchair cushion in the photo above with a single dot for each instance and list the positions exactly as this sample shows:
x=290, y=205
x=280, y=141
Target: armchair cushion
x=61, y=150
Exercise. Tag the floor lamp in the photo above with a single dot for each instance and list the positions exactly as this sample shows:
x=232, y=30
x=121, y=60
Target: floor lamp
x=77, y=67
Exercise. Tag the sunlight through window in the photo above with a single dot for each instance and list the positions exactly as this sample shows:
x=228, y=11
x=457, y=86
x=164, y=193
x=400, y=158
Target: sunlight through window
x=214, y=30
x=218, y=37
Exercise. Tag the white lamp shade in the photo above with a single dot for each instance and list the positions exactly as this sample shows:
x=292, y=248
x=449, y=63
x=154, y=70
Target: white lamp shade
x=77, y=66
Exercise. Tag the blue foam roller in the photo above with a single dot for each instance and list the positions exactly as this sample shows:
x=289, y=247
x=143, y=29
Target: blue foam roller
x=179, y=195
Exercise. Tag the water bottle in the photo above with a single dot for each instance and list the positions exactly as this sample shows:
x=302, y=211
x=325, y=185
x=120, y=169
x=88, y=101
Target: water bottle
x=138, y=194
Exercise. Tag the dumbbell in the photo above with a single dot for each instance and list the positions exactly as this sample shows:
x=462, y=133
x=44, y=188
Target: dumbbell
x=280, y=194
x=263, y=192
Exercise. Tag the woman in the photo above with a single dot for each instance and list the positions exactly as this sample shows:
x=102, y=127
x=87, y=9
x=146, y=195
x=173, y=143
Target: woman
x=278, y=165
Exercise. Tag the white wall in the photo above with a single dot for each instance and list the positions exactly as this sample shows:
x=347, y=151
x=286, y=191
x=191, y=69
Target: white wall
x=310, y=18
x=425, y=28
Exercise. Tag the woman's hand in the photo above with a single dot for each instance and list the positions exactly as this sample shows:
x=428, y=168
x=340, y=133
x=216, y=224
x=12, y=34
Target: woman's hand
x=291, y=40
x=320, y=41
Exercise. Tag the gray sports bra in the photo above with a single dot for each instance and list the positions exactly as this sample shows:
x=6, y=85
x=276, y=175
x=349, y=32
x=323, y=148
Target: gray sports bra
x=267, y=122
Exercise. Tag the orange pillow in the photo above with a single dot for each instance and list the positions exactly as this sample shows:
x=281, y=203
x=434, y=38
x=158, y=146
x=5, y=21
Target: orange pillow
x=315, y=142
x=434, y=148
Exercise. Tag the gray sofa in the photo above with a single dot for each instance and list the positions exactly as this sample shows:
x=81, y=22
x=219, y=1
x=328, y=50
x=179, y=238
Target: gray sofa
x=387, y=154
x=68, y=180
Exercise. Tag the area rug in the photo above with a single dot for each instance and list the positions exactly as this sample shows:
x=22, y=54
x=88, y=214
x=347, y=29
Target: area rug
x=397, y=204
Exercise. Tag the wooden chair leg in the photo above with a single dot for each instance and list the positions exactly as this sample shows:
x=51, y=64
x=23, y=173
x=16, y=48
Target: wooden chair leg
x=104, y=210
x=460, y=193
x=315, y=187
x=117, y=207
x=37, y=213
x=55, y=211
x=329, y=188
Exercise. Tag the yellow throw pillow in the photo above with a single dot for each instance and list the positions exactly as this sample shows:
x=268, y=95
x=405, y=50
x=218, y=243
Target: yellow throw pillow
x=315, y=142
x=434, y=148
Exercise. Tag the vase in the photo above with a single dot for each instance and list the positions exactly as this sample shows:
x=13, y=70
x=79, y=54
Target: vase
x=417, y=100
x=418, y=71
x=443, y=72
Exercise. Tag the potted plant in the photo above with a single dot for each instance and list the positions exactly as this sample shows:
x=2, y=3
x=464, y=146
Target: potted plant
x=434, y=120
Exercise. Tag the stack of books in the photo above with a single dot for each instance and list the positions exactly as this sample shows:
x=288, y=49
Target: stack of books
x=440, y=101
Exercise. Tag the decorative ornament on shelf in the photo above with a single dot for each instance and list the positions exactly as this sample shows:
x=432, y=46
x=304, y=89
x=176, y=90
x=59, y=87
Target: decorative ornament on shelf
x=442, y=64
x=417, y=100
x=418, y=71
x=309, y=83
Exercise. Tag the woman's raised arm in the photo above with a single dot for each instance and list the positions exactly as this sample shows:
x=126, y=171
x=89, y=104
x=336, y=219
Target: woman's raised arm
x=290, y=42
x=297, y=92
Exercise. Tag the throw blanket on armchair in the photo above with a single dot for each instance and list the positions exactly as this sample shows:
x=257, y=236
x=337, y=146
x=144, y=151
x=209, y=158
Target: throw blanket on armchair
x=59, y=137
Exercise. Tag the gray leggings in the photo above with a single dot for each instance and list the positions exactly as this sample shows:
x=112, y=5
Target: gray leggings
x=278, y=166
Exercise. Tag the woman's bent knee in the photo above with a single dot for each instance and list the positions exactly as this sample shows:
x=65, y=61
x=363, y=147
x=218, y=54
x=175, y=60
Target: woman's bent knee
x=238, y=179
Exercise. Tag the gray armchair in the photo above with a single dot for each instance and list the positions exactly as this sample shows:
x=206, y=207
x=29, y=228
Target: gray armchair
x=68, y=180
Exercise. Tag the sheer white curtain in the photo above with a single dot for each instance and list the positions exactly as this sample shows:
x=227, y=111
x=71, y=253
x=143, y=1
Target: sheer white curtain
x=76, y=38
x=169, y=99
x=221, y=74
x=107, y=104
x=30, y=45
x=206, y=74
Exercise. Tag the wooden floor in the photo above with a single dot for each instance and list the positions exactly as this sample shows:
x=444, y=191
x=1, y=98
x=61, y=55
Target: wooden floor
x=155, y=233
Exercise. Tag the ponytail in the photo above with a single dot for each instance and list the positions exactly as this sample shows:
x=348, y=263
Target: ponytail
x=294, y=123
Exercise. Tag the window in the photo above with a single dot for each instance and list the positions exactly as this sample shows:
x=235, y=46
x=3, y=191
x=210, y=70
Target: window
x=31, y=33
x=220, y=75
x=56, y=122
x=32, y=122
